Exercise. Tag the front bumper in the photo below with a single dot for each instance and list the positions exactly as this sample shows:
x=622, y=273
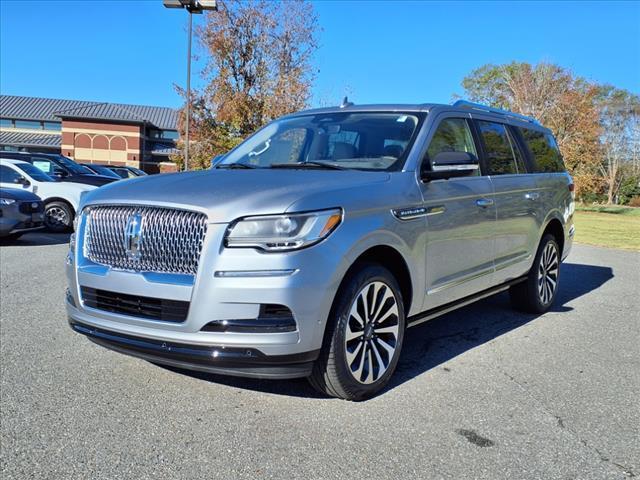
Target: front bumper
x=12, y=220
x=212, y=297
x=235, y=361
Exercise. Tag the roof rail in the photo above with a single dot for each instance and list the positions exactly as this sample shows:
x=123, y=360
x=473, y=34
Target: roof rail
x=484, y=108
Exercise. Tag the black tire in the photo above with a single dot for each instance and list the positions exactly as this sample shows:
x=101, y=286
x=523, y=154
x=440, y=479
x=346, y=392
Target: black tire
x=531, y=295
x=58, y=217
x=333, y=372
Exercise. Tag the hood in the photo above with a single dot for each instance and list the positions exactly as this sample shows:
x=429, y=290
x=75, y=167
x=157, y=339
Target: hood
x=21, y=195
x=225, y=195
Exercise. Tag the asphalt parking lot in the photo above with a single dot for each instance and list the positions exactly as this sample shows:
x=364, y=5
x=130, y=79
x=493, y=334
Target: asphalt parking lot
x=480, y=393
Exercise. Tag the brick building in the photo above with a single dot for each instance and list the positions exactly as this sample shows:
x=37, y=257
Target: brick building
x=109, y=133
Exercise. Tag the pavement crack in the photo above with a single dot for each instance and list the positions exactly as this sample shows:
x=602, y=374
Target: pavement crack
x=628, y=472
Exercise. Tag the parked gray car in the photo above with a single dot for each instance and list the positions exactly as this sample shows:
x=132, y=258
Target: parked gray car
x=20, y=212
x=309, y=249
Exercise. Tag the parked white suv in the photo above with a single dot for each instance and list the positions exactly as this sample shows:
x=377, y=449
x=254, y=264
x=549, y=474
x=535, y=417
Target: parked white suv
x=61, y=199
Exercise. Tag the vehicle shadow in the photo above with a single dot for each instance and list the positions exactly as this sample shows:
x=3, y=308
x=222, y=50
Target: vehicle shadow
x=439, y=340
x=36, y=239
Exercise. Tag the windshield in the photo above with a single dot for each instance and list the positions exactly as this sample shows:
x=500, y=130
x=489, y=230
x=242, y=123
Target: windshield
x=72, y=166
x=362, y=141
x=34, y=172
x=99, y=169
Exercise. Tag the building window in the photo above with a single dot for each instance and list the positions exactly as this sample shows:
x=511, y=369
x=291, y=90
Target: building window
x=6, y=123
x=164, y=134
x=28, y=124
x=52, y=126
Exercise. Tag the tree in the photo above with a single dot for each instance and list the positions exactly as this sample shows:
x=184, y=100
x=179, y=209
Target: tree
x=564, y=103
x=620, y=120
x=258, y=68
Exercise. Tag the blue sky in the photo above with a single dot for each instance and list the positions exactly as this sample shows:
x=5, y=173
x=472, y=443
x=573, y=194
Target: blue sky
x=384, y=51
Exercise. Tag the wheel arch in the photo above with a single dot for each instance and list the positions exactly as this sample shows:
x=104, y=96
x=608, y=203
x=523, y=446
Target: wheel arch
x=60, y=199
x=554, y=227
x=391, y=259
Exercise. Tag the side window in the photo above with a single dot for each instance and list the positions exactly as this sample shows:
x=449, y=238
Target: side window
x=8, y=175
x=452, y=135
x=517, y=153
x=43, y=165
x=498, y=149
x=544, y=150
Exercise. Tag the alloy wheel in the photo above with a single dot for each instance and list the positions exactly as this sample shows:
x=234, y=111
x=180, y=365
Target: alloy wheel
x=372, y=332
x=56, y=216
x=548, y=273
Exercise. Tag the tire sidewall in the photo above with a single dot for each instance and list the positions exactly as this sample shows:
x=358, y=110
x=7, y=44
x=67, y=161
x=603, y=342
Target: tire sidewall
x=366, y=275
x=533, y=281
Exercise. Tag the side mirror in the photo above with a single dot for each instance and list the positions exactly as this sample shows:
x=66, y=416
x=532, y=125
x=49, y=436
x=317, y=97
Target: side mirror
x=22, y=181
x=451, y=164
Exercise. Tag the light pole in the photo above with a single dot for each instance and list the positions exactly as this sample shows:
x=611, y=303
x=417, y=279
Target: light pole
x=192, y=6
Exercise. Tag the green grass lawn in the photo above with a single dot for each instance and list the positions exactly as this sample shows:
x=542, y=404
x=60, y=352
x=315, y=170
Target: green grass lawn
x=615, y=227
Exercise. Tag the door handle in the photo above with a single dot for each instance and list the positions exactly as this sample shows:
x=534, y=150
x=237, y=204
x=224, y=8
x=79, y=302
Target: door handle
x=532, y=196
x=484, y=202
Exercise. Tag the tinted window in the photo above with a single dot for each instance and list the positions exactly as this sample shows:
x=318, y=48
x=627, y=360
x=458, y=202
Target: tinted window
x=34, y=172
x=8, y=174
x=517, y=153
x=452, y=135
x=70, y=165
x=497, y=148
x=544, y=149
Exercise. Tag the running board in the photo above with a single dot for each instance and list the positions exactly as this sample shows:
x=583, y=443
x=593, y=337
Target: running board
x=448, y=307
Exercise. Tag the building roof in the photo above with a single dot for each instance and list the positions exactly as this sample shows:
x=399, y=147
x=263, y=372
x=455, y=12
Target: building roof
x=22, y=139
x=50, y=109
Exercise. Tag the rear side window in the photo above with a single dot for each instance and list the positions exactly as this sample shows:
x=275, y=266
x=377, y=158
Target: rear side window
x=545, y=151
x=498, y=148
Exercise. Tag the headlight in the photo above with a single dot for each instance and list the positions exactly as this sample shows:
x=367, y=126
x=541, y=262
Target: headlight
x=7, y=201
x=283, y=232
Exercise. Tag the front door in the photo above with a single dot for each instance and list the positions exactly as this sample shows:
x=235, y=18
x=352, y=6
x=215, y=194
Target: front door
x=461, y=216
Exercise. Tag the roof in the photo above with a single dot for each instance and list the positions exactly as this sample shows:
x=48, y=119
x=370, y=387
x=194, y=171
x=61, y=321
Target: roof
x=50, y=109
x=11, y=160
x=29, y=139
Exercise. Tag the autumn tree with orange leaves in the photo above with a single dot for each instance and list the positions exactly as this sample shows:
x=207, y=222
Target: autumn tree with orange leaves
x=258, y=67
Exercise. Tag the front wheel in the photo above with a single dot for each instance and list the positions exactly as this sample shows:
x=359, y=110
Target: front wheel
x=537, y=293
x=364, y=336
x=58, y=217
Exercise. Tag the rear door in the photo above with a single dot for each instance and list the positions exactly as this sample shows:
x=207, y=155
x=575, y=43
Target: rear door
x=517, y=199
x=460, y=219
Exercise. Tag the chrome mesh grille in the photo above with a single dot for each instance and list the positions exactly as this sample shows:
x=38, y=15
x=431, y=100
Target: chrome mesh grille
x=171, y=240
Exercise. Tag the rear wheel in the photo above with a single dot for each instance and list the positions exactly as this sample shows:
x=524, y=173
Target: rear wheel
x=58, y=217
x=537, y=293
x=363, y=338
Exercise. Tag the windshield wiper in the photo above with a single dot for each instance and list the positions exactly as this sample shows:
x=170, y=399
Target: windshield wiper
x=312, y=164
x=235, y=165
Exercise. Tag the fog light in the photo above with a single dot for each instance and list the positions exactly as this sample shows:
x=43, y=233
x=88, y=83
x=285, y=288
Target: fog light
x=271, y=319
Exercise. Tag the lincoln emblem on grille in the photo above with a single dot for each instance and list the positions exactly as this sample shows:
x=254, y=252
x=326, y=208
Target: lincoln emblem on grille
x=133, y=236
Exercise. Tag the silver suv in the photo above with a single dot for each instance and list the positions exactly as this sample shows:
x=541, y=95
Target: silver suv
x=309, y=249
